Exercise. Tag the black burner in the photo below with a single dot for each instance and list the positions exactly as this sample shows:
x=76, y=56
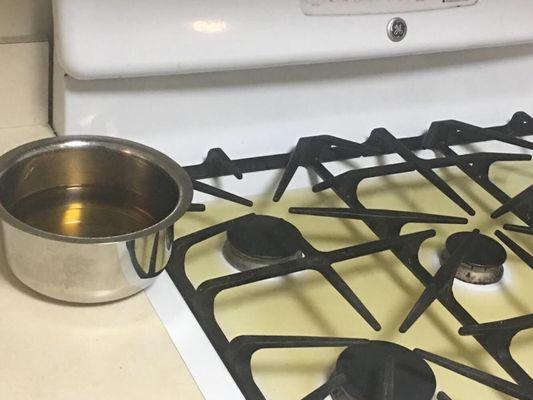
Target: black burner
x=261, y=240
x=483, y=264
x=380, y=370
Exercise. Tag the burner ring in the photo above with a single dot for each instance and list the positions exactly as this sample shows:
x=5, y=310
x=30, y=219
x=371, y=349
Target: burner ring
x=483, y=264
x=261, y=240
x=364, y=366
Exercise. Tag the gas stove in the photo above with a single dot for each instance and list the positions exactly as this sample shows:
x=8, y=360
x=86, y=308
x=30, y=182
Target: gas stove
x=399, y=280
x=339, y=263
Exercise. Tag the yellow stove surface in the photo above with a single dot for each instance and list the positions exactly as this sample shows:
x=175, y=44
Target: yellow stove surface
x=306, y=304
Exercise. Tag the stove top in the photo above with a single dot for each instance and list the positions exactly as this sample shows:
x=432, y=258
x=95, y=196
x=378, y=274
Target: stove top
x=397, y=281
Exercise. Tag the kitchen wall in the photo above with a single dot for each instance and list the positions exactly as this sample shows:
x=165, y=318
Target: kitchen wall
x=24, y=20
x=25, y=33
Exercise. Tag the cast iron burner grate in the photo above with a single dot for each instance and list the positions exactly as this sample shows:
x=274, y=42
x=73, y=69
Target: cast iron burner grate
x=389, y=369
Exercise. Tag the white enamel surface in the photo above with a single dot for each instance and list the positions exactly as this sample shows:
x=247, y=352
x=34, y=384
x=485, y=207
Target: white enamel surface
x=203, y=362
x=261, y=112
x=125, y=38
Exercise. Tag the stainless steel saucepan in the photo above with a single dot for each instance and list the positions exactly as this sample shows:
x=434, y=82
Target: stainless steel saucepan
x=87, y=218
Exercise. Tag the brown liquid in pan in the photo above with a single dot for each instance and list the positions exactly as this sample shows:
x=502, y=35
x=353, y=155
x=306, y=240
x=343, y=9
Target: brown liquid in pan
x=85, y=211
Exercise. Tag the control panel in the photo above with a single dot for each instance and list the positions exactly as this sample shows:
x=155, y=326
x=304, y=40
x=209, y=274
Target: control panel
x=354, y=7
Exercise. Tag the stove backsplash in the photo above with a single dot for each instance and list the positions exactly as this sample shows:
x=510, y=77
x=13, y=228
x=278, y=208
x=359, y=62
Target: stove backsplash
x=258, y=112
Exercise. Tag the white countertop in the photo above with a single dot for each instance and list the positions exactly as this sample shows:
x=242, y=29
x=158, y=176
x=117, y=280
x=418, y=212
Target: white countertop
x=52, y=350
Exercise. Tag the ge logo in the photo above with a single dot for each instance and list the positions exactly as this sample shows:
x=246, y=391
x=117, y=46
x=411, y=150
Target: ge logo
x=397, y=29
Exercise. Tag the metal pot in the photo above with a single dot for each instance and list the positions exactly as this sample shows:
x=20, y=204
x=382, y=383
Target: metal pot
x=87, y=218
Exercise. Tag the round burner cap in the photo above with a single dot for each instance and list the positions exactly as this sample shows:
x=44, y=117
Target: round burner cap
x=265, y=237
x=484, y=252
x=365, y=367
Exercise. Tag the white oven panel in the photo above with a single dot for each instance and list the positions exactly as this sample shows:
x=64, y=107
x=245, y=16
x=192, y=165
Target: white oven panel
x=353, y=7
x=189, y=36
